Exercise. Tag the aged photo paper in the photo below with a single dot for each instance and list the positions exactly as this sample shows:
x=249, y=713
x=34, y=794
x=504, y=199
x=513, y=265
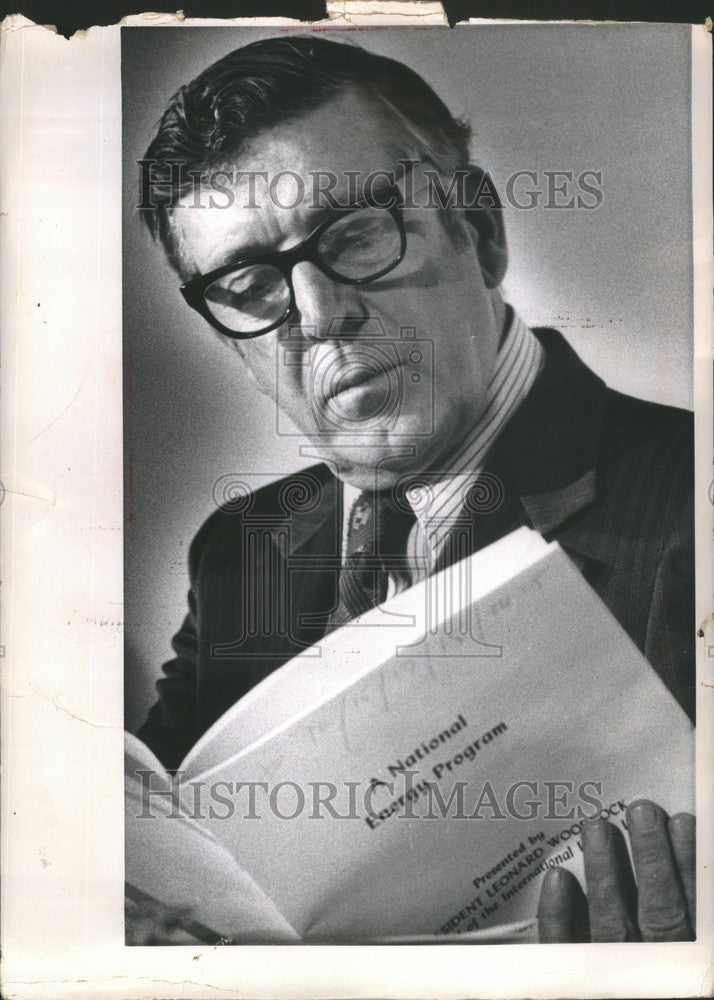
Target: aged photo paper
x=357, y=508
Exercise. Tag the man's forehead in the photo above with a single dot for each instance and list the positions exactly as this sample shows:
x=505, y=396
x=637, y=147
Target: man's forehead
x=347, y=136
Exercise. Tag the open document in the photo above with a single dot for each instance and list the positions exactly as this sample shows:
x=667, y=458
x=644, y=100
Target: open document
x=417, y=778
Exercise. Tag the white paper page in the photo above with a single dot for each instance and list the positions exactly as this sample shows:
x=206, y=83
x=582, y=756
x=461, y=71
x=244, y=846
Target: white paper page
x=345, y=655
x=178, y=864
x=559, y=704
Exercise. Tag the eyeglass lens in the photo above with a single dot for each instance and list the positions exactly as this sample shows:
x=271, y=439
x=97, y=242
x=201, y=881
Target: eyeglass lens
x=357, y=246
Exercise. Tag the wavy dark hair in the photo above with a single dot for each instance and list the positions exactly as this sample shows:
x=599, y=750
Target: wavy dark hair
x=274, y=80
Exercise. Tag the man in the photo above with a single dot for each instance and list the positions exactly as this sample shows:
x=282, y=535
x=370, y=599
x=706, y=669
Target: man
x=330, y=302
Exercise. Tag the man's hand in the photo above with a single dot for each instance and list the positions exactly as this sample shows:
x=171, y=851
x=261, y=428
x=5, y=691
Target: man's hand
x=660, y=907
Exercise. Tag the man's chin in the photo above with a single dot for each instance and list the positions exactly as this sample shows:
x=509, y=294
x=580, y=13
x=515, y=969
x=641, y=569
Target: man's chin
x=373, y=461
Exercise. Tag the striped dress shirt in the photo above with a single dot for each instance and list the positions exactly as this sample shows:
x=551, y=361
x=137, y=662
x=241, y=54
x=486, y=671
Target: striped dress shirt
x=439, y=497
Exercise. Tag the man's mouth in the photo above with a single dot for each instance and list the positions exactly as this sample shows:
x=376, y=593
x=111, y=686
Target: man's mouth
x=358, y=375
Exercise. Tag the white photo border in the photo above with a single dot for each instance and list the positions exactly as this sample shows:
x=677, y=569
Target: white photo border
x=61, y=624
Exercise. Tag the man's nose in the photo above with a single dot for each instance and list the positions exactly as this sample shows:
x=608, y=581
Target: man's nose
x=327, y=309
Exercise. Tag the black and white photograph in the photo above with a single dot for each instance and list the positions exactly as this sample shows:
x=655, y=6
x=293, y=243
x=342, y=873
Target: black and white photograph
x=407, y=415
x=356, y=505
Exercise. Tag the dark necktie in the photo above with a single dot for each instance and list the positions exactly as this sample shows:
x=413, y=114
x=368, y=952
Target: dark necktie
x=376, y=542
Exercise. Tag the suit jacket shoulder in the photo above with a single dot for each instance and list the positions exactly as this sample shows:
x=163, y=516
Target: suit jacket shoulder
x=297, y=493
x=636, y=540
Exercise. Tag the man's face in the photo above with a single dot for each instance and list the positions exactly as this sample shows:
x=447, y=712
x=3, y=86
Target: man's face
x=354, y=392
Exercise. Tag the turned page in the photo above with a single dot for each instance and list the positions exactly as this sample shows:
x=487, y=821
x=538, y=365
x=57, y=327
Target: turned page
x=430, y=794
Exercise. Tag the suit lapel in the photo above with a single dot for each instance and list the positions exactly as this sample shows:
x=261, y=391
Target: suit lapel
x=544, y=460
x=268, y=592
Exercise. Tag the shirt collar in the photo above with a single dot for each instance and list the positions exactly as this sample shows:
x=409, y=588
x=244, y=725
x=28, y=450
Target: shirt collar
x=441, y=494
x=518, y=362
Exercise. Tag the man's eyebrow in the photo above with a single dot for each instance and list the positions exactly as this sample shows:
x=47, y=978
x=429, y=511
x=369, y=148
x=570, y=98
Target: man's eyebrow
x=246, y=251
x=242, y=252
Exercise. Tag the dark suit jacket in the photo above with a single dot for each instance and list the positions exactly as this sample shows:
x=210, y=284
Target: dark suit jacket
x=606, y=475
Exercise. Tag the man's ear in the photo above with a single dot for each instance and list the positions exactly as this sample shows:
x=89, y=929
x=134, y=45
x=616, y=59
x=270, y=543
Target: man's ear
x=484, y=214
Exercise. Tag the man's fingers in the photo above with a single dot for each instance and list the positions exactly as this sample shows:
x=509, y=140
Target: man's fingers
x=662, y=906
x=562, y=909
x=610, y=886
x=682, y=834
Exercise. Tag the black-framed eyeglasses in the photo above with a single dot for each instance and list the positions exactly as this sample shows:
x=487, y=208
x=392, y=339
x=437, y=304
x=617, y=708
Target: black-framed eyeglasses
x=251, y=296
